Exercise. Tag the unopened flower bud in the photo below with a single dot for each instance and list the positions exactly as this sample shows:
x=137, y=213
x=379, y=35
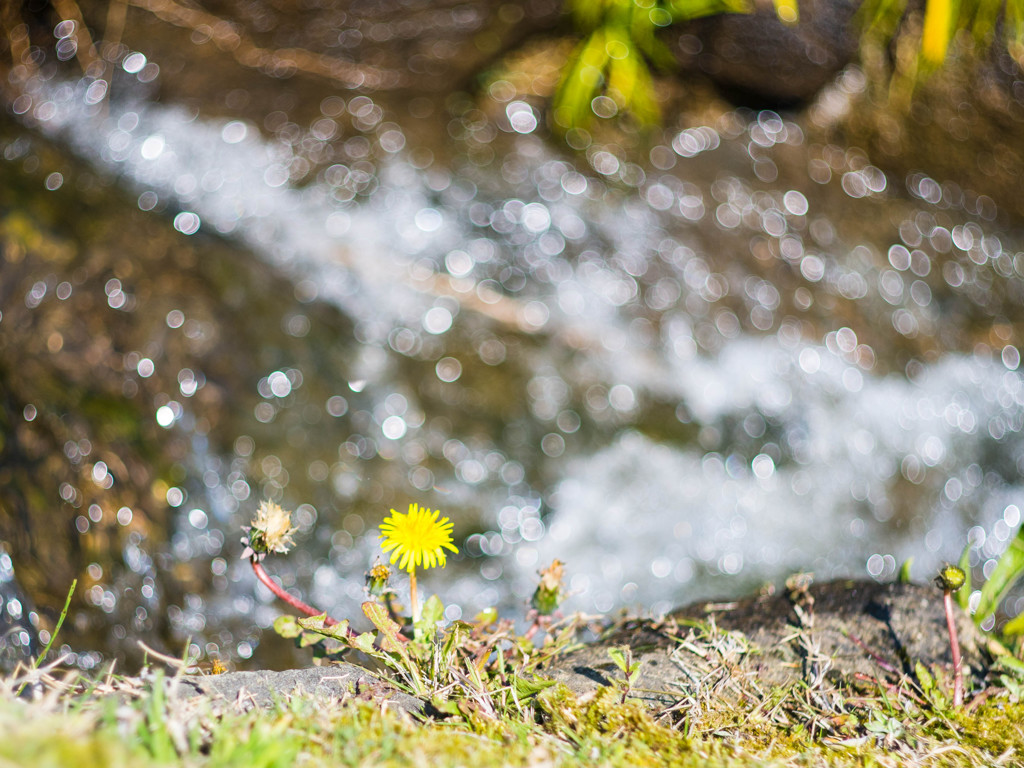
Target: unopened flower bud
x=549, y=595
x=377, y=579
x=950, y=578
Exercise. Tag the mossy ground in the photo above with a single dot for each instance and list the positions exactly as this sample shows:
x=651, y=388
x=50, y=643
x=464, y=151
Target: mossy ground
x=126, y=722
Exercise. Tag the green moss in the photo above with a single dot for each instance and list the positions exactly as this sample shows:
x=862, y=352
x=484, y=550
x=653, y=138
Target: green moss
x=796, y=726
x=602, y=721
x=997, y=727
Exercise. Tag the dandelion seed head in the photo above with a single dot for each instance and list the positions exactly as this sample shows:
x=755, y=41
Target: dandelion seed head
x=270, y=531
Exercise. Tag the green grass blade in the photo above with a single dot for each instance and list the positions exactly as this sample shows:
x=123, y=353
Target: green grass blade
x=56, y=631
x=963, y=597
x=1007, y=571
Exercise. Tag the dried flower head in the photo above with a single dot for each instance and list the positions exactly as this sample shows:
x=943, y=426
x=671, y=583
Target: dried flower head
x=418, y=538
x=549, y=595
x=270, y=531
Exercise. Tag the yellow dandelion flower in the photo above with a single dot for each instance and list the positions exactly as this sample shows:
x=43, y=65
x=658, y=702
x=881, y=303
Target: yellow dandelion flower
x=418, y=538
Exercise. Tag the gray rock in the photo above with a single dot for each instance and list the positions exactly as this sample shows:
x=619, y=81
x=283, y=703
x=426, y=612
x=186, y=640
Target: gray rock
x=762, y=59
x=835, y=633
x=263, y=689
x=838, y=632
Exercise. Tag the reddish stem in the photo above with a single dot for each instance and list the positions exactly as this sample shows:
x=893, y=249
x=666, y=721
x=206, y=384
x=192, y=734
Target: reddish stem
x=878, y=659
x=538, y=622
x=294, y=602
x=954, y=645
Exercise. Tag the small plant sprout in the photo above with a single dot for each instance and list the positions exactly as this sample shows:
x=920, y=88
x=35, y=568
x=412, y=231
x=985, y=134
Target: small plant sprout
x=949, y=580
x=622, y=657
x=416, y=539
x=271, y=531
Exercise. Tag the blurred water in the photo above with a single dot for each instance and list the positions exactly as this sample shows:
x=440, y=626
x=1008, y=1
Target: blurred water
x=684, y=374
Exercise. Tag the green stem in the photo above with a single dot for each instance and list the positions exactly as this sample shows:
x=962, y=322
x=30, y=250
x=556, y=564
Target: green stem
x=413, y=598
x=53, y=636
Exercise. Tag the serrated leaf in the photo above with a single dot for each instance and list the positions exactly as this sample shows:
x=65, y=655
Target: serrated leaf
x=924, y=677
x=306, y=639
x=619, y=657
x=319, y=625
x=364, y=642
x=390, y=640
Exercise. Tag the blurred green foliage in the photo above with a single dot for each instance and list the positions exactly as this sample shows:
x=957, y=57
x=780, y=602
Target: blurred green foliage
x=942, y=20
x=609, y=72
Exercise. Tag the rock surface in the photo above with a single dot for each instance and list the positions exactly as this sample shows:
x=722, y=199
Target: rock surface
x=835, y=632
x=840, y=631
x=263, y=689
x=762, y=59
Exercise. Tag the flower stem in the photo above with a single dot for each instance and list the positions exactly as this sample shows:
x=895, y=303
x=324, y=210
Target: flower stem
x=294, y=602
x=413, y=597
x=954, y=645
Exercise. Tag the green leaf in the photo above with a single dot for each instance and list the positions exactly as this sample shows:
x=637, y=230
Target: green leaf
x=924, y=677
x=445, y=706
x=287, y=627
x=486, y=617
x=391, y=639
x=364, y=643
x=963, y=597
x=457, y=632
x=319, y=625
x=1015, y=626
x=524, y=687
x=581, y=82
x=880, y=18
x=1008, y=570
x=904, y=575
x=1009, y=664
x=619, y=657
x=430, y=616
x=1014, y=20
